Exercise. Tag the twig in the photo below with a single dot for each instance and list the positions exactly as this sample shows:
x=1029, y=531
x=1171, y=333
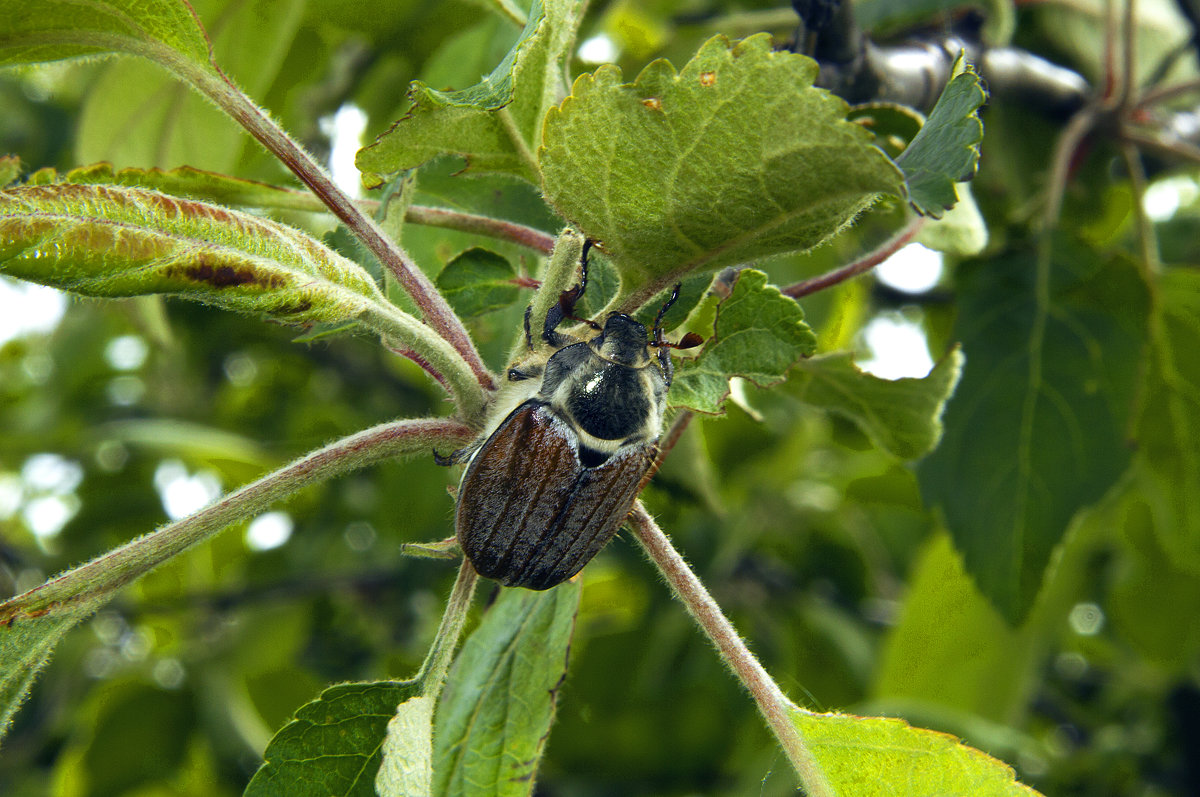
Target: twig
x=774, y=705
x=870, y=261
x=1150, y=262
x=433, y=670
x=481, y=225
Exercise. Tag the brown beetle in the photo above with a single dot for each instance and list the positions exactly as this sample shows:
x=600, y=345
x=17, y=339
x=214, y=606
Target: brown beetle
x=567, y=449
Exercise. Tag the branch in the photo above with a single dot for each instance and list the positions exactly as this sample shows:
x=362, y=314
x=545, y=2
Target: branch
x=863, y=265
x=95, y=582
x=774, y=705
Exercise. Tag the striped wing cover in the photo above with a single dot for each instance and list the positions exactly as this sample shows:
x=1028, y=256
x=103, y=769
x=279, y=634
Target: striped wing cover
x=529, y=514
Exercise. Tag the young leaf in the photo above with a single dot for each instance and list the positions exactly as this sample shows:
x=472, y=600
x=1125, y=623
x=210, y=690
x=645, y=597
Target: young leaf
x=759, y=334
x=493, y=124
x=946, y=150
x=902, y=416
x=51, y=30
x=869, y=756
x=189, y=182
x=1037, y=428
x=478, y=281
x=335, y=744
x=112, y=241
x=734, y=158
x=498, y=704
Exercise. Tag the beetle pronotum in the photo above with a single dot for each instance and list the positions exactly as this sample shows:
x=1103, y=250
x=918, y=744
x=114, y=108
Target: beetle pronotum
x=566, y=448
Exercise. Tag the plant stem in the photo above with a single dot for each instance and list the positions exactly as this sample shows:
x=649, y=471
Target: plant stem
x=98, y=580
x=434, y=308
x=432, y=674
x=773, y=704
x=860, y=266
x=481, y=225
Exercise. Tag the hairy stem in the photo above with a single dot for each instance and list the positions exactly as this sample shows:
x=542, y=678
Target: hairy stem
x=433, y=671
x=99, y=579
x=481, y=225
x=774, y=705
x=860, y=266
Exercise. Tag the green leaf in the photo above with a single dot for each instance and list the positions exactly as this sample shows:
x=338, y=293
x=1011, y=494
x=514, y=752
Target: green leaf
x=335, y=744
x=867, y=756
x=1037, y=428
x=477, y=282
x=1168, y=426
x=136, y=114
x=950, y=647
x=901, y=416
x=496, y=710
x=189, y=182
x=962, y=231
x=759, y=334
x=112, y=241
x=734, y=158
x=494, y=124
x=51, y=30
x=946, y=150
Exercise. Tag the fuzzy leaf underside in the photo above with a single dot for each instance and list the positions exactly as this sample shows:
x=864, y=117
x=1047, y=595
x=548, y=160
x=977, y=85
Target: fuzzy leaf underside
x=498, y=704
x=187, y=182
x=881, y=757
x=52, y=30
x=734, y=158
x=759, y=334
x=901, y=416
x=946, y=150
x=111, y=241
x=334, y=745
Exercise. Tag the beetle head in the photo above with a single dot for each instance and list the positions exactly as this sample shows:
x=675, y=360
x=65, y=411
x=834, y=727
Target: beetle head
x=622, y=341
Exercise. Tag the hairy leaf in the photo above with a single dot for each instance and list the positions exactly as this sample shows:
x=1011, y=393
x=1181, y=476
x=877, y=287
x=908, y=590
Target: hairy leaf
x=478, y=281
x=946, y=150
x=868, y=756
x=734, y=158
x=111, y=241
x=494, y=124
x=334, y=746
x=1037, y=428
x=759, y=334
x=51, y=30
x=902, y=416
x=498, y=704
x=189, y=182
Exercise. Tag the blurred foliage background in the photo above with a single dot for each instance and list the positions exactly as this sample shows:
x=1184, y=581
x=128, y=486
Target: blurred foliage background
x=122, y=415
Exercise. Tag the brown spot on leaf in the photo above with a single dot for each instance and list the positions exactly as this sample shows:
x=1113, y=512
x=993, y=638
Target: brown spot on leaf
x=653, y=103
x=224, y=275
x=708, y=79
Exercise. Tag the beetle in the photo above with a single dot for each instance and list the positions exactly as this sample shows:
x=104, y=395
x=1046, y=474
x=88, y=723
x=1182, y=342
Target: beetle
x=567, y=448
